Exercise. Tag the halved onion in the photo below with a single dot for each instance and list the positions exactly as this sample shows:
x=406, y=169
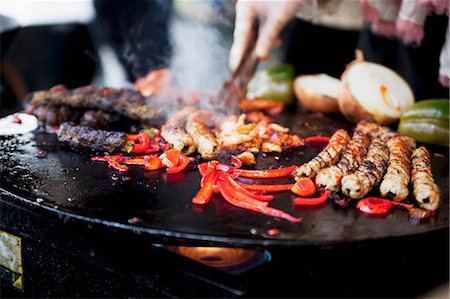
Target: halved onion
x=318, y=92
x=373, y=92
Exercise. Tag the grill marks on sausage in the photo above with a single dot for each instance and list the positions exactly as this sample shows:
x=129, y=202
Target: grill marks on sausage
x=395, y=182
x=425, y=189
x=205, y=140
x=85, y=137
x=174, y=132
x=327, y=157
x=369, y=173
x=330, y=178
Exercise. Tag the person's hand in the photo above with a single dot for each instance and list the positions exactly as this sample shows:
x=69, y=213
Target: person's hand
x=272, y=17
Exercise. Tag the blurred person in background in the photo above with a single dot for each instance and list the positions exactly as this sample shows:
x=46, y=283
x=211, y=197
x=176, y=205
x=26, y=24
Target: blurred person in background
x=410, y=37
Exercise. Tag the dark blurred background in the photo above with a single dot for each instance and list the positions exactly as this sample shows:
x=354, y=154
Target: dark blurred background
x=113, y=42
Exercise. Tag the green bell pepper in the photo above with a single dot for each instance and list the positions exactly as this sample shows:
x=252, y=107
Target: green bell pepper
x=274, y=83
x=427, y=121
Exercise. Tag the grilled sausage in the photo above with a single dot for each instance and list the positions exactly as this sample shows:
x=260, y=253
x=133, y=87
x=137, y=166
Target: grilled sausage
x=207, y=144
x=125, y=102
x=174, y=132
x=371, y=129
x=426, y=191
x=396, y=180
x=353, y=155
x=327, y=157
x=369, y=173
x=86, y=137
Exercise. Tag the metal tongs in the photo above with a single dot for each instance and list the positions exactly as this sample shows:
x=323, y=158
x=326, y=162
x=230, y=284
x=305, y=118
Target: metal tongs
x=235, y=88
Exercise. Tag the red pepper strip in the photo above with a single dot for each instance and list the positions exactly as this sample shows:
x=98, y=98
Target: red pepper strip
x=304, y=187
x=211, y=168
x=133, y=137
x=312, y=201
x=153, y=148
x=183, y=162
x=153, y=164
x=206, y=191
x=229, y=196
x=113, y=161
x=267, y=173
x=173, y=155
x=144, y=142
x=267, y=188
x=374, y=205
x=317, y=140
x=245, y=192
x=236, y=194
x=237, y=163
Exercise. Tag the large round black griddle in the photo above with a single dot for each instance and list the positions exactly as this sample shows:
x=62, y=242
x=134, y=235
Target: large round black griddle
x=68, y=185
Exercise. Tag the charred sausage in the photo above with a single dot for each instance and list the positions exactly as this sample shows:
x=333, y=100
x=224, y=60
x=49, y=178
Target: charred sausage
x=356, y=150
x=426, y=191
x=369, y=173
x=327, y=157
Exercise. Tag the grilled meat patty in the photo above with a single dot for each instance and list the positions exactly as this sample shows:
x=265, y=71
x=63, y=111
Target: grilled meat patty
x=369, y=173
x=356, y=150
x=98, y=119
x=174, y=132
x=426, y=191
x=327, y=157
x=204, y=139
x=86, y=137
x=55, y=115
x=125, y=102
x=396, y=180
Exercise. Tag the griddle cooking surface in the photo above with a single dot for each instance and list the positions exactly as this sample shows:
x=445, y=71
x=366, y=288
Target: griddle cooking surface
x=69, y=185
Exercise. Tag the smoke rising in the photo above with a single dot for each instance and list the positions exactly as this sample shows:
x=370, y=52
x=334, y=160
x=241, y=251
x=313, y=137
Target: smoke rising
x=199, y=57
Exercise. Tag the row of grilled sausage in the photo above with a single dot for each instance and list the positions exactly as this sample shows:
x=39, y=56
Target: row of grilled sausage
x=373, y=156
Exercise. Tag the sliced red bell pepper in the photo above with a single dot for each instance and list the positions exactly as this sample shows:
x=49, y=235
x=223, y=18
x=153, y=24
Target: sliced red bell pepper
x=211, y=168
x=230, y=197
x=113, y=161
x=144, y=142
x=312, y=201
x=374, y=205
x=267, y=188
x=153, y=164
x=319, y=141
x=238, y=188
x=206, y=191
x=173, y=155
x=267, y=173
x=235, y=193
x=237, y=163
x=170, y=158
x=304, y=187
x=183, y=162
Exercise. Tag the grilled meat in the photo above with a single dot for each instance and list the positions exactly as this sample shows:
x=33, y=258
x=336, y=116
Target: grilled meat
x=327, y=157
x=371, y=129
x=207, y=144
x=96, y=140
x=369, y=173
x=54, y=115
x=356, y=150
x=236, y=134
x=173, y=131
x=426, y=191
x=98, y=119
x=126, y=102
x=396, y=180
